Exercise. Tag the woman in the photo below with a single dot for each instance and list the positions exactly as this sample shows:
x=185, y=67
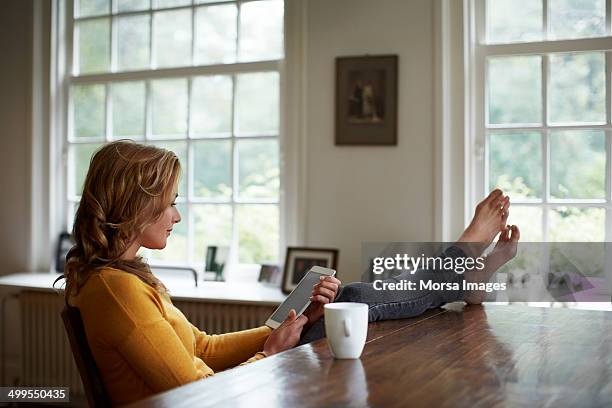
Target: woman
x=141, y=343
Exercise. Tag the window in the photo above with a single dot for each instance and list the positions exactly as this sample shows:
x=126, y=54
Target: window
x=200, y=78
x=541, y=114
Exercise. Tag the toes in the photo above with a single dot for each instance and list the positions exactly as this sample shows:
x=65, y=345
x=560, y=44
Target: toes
x=493, y=196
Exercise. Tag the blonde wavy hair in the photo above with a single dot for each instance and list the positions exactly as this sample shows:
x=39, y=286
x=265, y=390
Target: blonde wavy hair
x=127, y=188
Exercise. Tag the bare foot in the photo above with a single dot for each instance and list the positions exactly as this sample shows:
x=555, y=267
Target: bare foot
x=488, y=221
x=505, y=249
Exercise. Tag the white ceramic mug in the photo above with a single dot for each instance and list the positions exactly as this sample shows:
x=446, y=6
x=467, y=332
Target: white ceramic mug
x=346, y=325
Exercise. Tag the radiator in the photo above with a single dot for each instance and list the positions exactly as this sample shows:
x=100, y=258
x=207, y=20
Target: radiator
x=46, y=358
x=216, y=318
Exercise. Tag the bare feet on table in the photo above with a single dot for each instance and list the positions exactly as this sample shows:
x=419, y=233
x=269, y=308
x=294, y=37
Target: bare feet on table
x=489, y=220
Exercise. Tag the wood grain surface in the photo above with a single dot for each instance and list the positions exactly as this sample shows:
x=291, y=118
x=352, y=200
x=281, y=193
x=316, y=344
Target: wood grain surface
x=483, y=356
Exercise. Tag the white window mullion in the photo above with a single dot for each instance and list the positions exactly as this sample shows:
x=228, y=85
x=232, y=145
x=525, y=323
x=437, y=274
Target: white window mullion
x=113, y=43
x=180, y=72
x=609, y=88
x=151, y=56
x=238, y=12
x=545, y=19
x=479, y=149
x=188, y=173
x=545, y=183
x=609, y=17
x=152, y=53
x=576, y=45
x=148, y=111
x=608, y=231
x=545, y=144
x=608, y=134
x=193, y=34
x=188, y=167
x=234, y=247
x=108, y=118
x=234, y=178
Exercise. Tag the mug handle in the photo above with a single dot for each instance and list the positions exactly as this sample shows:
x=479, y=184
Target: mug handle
x=347, y=327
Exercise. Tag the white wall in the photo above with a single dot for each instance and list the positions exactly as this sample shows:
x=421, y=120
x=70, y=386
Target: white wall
x=360, y=194
x=15, y=135
x=353, y=194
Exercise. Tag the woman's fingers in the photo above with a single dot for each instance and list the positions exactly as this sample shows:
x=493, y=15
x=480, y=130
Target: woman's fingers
x=329, y=293
x=327, y=284
x=300, y=322
x=320, y=299
x=331, y=279
x=290, y=317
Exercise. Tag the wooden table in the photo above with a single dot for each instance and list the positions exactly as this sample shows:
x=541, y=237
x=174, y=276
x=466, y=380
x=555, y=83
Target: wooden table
x=484, y=356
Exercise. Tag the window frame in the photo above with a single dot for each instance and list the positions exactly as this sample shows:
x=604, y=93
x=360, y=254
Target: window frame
x=63, y=74
x=477, y=141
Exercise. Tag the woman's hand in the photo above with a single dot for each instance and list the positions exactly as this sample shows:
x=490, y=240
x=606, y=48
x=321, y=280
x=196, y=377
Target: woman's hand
x=286, y=335
x=322, y=293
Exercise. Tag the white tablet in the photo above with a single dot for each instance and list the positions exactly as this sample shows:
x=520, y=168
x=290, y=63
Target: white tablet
x=299, y=298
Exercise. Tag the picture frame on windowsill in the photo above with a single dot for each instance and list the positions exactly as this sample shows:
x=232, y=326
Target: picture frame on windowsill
x=299, y=260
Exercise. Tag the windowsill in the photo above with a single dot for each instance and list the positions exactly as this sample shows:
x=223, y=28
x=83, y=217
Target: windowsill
x=180, y=288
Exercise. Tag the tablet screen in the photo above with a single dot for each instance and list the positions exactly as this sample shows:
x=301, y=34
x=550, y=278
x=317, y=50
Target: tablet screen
x=298, y=298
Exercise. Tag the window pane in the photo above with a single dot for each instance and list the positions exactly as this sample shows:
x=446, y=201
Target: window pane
x=171, y=3
x=132, y=5
x=216, y=34
x=578, y=164
x=257, y=103
x=172, y=38
x=213, y=226
x=529, y=221
x=514, y=20
x=169, y=107
x=88, y=110
x=176, y=245
x=577, y=18
x=211, y=105
x=92, y=40
x=132, y=42
x=212, y=169
x=261, y=30
x=258, y=169
x=128, y=99
x=71, y=213
x=515, y=90
x=79, y=156
x=571, y=224
x=515, y=163
x=86, y=8
x=180, y=149
x=577, y=88
x=257, y=233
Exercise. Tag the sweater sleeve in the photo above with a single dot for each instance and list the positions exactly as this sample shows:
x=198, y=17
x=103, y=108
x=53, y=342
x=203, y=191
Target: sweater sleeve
x=146, y=340
x=223, y=351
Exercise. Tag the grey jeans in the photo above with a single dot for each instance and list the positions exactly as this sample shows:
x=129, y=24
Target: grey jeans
x=397, y=304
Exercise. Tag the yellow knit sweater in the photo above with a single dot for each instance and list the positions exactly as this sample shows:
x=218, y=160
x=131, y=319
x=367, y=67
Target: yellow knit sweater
x=143, y=344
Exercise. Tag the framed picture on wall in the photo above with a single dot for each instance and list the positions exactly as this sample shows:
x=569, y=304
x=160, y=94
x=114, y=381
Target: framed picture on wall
x=300, y=259
x=366, y=100
x=269, y=273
